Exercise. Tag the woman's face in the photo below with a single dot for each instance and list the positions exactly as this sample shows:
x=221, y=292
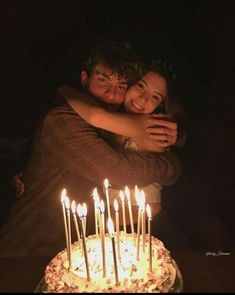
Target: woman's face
x=146, y=95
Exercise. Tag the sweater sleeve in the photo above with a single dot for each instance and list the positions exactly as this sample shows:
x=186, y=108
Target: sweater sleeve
x=81, y=151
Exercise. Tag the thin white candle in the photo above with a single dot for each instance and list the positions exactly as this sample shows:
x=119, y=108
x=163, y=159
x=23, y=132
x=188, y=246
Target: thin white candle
x=117, y=226
x=137, y=197
x=80, y=214
x=63, y=197
x=106, y=186
x=127, y=192
x=96, y=202
x=142, y=194
x=121, y=194
x=73, y=207
x=84, y=210
x=102, y=237
x=67, y=206
x=111, y=232
x=148, y=210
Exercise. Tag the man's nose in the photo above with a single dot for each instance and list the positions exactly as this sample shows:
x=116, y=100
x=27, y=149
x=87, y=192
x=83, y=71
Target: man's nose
x=111, y=93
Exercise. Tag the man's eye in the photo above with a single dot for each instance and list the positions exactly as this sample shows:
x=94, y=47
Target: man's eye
x=101, y=78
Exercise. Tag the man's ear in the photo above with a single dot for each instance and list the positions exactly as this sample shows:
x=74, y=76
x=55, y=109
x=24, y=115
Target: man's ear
x=84, y=78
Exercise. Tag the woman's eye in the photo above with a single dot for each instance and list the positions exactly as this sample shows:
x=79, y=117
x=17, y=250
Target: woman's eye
x=157, y=98
x=122, y=88
x=140, y=85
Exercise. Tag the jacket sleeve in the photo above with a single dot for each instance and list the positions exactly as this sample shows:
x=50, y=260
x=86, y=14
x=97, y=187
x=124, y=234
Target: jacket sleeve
x=77, y=146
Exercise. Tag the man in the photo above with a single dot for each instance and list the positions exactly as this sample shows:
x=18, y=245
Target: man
x=69, y=153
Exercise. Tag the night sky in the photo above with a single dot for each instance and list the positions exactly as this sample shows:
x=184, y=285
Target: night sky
x=37, y=36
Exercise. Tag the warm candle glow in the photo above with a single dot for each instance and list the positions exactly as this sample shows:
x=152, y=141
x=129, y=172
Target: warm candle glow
x=137, y=194
x=96, y=208
x=148, y=210
x=67, y=203
x=84, y=209
x=106, y=186
x=73, y=206
x=106, y=183
x=102, y=206
x=127, y=192
x=63, y=195
x=121, y=194
x=115, y=204
x=95, y=195
x=79, y=210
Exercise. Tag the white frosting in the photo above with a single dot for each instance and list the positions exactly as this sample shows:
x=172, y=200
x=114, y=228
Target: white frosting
x=134, y=276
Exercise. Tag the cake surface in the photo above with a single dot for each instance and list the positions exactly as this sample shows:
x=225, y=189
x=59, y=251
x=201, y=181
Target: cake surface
x=133, y=275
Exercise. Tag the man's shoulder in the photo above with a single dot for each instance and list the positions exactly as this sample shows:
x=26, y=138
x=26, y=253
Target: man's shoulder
x=62, y=116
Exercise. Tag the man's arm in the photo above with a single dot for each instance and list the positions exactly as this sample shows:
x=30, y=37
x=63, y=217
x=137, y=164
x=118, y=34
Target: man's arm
x=79, y=148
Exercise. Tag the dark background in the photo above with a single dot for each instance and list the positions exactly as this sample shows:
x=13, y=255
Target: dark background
x=36, y=37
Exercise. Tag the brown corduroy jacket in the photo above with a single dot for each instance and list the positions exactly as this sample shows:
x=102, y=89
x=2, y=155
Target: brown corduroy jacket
x=69, y=153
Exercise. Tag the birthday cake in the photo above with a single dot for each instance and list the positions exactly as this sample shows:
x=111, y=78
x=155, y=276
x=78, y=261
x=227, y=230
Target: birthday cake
x=133, y=275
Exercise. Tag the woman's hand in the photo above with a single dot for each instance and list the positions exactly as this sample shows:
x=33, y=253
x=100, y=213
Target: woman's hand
x=18, y=184
x=161, y=130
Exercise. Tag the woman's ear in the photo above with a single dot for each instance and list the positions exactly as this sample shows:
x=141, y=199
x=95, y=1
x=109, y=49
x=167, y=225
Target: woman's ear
x=84, y=78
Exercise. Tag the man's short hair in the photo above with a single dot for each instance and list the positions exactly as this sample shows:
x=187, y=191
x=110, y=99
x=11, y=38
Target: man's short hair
x=117, y=56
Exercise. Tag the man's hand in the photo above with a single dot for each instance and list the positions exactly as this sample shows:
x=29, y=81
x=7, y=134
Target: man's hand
x=163, y=132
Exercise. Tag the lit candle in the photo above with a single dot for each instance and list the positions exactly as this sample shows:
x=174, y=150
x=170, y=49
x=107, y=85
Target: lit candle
x=127, y=192
x=80, y=214
x=84, y=210
x=117, y=226
x=138, y=201
x=148, y=210
x=111, y=232
x=106, y=186
x=67, y=206
x=73, y=207
x=102, y=237
x=143, y=220
x=96, y=203
x=63, y=197
x=121, y=194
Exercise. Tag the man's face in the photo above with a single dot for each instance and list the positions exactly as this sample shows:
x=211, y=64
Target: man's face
x=105, y=85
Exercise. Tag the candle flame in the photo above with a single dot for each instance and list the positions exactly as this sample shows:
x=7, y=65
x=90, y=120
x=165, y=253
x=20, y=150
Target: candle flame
x=84, y=209
x=115, y=204
x=95, y=195
x=148, y=210
x=102, y=206
x=79, y=210
x=106, y=183
x=63, y=195
x=110, y=226
x=73, y=206
x=142, y=200
x=137, y=195
x=121, y=194
x=67, y=203
x=127, y=192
